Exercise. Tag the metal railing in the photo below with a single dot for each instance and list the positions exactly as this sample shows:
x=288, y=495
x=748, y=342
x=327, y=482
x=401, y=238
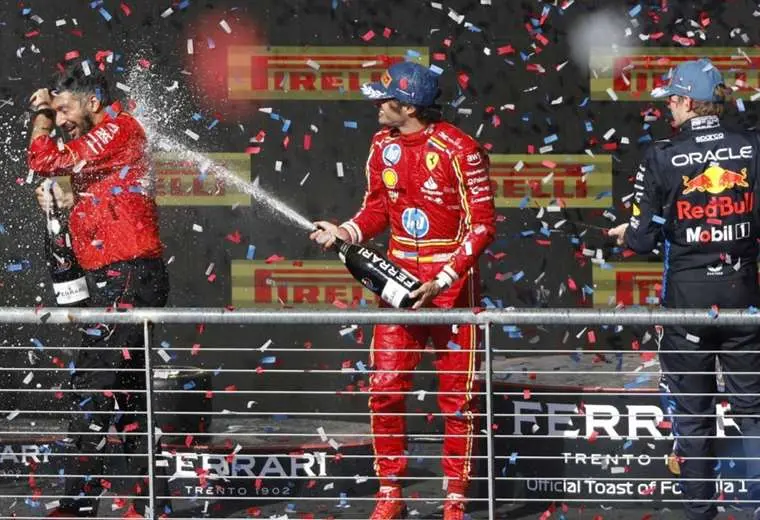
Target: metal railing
x=482, y=317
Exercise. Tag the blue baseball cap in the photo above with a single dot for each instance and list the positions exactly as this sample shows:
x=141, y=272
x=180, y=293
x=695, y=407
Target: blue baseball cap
x=694, y=79
x=408, y=82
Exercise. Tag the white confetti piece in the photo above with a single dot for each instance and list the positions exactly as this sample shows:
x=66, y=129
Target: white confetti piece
x=312, y=64
x=86, y=68
x=190, y=46
x=265, y=346
x=278, y=166
x=28, y=378
x=197, y=228
x=78, y=166
x=60, y=22
x=192, y=135
x=13, y=415
x=303, y=181
x=334, y=444
x=612, y=94
x=225, y=26
x=210, y=269
x=322, y=434
x=123, y=87
x=164, y=355
x=339, y=168
x=609, y=133
x=167, y=13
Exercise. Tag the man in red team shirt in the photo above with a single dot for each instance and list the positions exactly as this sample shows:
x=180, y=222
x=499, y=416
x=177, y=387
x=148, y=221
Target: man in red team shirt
x=429, y=182
x=114, y=231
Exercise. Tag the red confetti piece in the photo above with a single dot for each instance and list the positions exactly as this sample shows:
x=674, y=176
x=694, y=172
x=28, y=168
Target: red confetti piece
x=234, y=237
x=125, y=9
x=591, y=336
x=274, y=258
x=286, y=142
x=188, y=441
x=340, y=304
x=387, y=32
x=106, y=484
x=125, y=353
x=32, y=34
x=571, y=284
x=505, y=49
x=254, y=512
x=635, y=345
x=447, y=42
x=311, y=484
x=439, y=56
x=307, y=142
x=209, y=394
x=526, y=393
x=252, y=150
x=71, y=55
x=132, y=426
x=196, y=348
x=542, y=39
x=549, y=164
x=594, y=435
x=212, y=277
x=463, y=79
x=144, y=63
x=368, y=35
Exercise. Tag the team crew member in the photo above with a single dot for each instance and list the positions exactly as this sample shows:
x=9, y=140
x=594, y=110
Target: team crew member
x=697, y=193
x=429, y=182
x=114, y=231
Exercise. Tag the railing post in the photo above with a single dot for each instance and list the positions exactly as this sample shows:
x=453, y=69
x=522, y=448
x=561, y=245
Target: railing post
x=489, y=424
x=150, y=513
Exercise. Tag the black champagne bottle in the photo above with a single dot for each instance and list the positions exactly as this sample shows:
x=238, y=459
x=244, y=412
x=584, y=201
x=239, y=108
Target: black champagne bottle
x=69, y=282
x=378, y=274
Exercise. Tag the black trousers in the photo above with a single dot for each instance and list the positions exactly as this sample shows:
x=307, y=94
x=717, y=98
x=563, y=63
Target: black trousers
x=691, y=397
x=109, y=369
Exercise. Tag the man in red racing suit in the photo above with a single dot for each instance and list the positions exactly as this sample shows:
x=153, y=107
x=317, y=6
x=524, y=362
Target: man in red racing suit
x=429, y=182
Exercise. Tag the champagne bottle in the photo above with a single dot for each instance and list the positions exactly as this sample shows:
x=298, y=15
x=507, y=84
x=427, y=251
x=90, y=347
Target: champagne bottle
x=378, y=274
x=69, y=282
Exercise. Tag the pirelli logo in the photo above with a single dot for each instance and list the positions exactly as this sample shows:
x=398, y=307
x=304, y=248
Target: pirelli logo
x=310, y=73
x=629, y=283
x=580, y=181
x=309, y=284
x=633, y=73
x=181, y=182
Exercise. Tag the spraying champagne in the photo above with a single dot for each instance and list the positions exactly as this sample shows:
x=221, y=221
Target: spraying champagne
x=374, y=271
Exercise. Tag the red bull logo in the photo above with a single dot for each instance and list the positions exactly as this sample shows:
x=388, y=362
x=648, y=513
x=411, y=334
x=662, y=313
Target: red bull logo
x=718, y=207
x=715, y=180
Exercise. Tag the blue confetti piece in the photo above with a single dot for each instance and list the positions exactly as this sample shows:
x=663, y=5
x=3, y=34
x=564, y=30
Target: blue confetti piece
x=412, y=53
x=268, y=360
x=518, y=276
x=37, y=344
x=524, y=56
x=635, y=10
x=361, y=366
x=72, y=368
x=474, y=28
x=93, y=332
x=213, y=124
x=350, y=124
x=184, y=4
x=731, y=463
x=603, y=195
x=435, y=69
x=717, y=466
x=274, y=116
x=105, y=14
x=740, y=105
x=588, y=168
x=189, y=385
x=551, y=139
x=645, y=138
x=251, y=252
x=196, y=117
x=513, y=458
x=14, y=268
x=524, y=202
x=165, y=344
x=123, y=172
x=576, y=357
x=116, y=190
x=487, y=303
x=658, y=219
x=752, y=309
x=712, y=313
x=546, y=231
x=26, y=10
x=210, y=42
x=587, y=290
x=84, y=402
x=218, y=371
x=584, y=102
x=627, y=444
x=334, y=5
x=607, y=265
x=286, y=125
x=453, y=346
x=3, y=231
x=527, y=233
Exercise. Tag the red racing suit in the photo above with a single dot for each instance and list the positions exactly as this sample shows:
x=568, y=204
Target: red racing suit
x=433, y=189
x=114, y=217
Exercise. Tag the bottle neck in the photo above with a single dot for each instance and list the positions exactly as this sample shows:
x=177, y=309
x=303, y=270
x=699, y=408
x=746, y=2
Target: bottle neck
x=338, y=244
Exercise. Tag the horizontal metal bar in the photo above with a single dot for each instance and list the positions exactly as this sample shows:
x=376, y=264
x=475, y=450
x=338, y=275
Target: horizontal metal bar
x=509, y=316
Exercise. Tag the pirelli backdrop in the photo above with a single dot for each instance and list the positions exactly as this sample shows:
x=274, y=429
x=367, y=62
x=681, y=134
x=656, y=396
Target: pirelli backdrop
x=270, y=90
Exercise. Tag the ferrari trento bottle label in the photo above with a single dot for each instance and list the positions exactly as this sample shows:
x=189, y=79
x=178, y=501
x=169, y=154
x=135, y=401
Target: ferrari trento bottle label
x=378, y=274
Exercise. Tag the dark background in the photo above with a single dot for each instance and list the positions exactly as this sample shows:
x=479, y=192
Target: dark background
x=494, y=81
